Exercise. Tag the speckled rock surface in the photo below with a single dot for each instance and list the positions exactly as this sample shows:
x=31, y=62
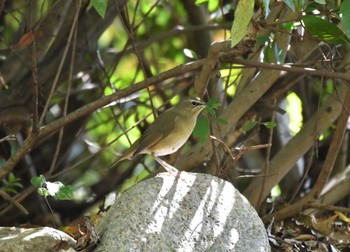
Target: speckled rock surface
x=41, y=239
x=196, y=212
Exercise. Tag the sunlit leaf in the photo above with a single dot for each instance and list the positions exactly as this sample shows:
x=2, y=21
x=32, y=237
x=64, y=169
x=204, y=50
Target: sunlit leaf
x=295, y=111
x=198, y=2
x=276, y=192
x=213, y=5
x=243, y=15
x=324, y=30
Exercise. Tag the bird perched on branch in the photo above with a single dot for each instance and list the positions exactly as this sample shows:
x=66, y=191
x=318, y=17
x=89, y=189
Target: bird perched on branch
x=167, y=133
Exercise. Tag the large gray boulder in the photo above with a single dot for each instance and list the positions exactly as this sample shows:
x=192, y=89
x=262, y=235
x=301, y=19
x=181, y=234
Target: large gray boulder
x=43, y=239
x=193, y=212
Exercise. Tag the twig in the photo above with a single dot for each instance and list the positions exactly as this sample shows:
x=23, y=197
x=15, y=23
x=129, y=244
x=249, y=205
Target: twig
x=225, y=146
x=65, y=108
x=34, y=77
x=11, y=137
x=251, y=148
x=176, y=31
x=90, y=108
x=267, y=162
x=7, y=197
x=218, y=171
x=327, y=166
x=231, y=58
x=333, y=148
x=209, y=66
x=18, y=198
x=328, y=207
x=60, y=67
x=130, y=30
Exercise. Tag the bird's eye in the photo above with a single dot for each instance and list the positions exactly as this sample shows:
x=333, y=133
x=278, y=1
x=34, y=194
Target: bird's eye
x=194, y=103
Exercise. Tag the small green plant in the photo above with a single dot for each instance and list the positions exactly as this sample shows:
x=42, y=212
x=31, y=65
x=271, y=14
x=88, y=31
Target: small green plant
x=55, y=189
x=11, y=184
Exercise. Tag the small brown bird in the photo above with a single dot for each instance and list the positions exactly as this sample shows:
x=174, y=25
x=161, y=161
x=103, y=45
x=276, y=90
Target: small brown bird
x=167, y=133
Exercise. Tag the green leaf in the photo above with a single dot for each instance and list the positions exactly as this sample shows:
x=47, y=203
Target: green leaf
x=11, y=183
x=324, y=30
x=214, y=103
x=100, y=6
x=10, y=190
x=345, y=16
x=38, y=181
x=13, y=180
x=202, y=129
x=11, y=177
x=290, y=4
x=65, y=193
x=300, y=4
x=288, y=26
x=17, y=184
x=243, y=15
x=249, y=125
x=43, y=192
x=270, y=125
x=190, y=53
x=213, y=5
x=210, y=110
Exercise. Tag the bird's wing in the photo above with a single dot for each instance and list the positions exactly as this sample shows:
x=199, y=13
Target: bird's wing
x=156, y=131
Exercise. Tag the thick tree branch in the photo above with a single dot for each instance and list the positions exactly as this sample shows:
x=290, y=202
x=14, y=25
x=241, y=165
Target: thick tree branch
x=326, y=168
x=286, y=68
x=90, y=108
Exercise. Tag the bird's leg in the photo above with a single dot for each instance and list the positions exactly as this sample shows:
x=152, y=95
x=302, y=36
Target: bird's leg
x=171, y=169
